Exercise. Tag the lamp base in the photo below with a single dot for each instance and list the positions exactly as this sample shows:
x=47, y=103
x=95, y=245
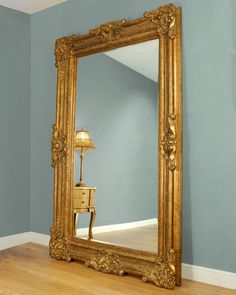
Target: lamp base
x=80, y=184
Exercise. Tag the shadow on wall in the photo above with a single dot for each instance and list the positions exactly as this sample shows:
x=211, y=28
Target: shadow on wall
x=233, y=56
x=187, y=220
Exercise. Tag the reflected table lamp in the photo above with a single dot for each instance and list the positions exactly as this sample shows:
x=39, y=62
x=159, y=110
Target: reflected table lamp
x=83, y=142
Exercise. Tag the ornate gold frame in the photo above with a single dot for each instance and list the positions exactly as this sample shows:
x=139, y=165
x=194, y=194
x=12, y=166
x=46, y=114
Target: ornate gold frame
x=164, y=269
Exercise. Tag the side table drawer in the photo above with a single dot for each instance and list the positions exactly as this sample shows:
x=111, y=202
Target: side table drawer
x=83, y=197
x=81, y=202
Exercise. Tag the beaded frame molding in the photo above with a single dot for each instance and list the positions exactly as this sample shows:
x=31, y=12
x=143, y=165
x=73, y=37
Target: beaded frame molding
x=164, y=268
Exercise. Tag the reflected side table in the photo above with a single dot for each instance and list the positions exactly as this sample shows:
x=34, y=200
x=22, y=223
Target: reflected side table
x=83, y=202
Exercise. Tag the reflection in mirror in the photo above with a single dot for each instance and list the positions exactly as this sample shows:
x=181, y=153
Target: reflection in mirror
x=115, y=193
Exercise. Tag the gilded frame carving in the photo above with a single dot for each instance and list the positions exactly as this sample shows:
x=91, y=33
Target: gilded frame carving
x=163, y=269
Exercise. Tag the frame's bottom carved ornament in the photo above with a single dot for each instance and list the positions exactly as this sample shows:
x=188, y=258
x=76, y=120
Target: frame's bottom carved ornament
x=58, y=245
x=107, y=262
x=162, y=274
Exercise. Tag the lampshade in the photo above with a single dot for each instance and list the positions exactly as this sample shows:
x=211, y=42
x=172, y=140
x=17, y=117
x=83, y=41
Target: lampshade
x=83, y=140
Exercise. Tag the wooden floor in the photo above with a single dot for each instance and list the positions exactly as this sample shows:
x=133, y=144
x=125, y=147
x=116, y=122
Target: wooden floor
x=140, y=238
x=28, y=270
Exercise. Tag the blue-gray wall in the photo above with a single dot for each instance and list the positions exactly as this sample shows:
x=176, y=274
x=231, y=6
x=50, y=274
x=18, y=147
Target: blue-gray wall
x=209, y=62
x=14, y=121
x=119, y=108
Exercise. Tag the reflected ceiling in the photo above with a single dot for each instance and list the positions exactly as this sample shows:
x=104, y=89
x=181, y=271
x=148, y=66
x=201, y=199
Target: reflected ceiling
x=141, y=57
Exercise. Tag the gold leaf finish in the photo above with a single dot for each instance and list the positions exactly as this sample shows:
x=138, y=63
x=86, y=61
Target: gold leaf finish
x=163, y=269
x=111, y=31
x=64, y=47
x=163, y=19
x=162, y=273
x=107, y=262
x=58, y=245
x=169, y=143
x=58, y=146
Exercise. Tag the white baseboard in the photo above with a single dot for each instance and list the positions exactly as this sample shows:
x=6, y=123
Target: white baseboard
x=19, y=239
x=40, y=239
x=209, y=276
x=191, y=272
x=14, y=240
x=116, y=227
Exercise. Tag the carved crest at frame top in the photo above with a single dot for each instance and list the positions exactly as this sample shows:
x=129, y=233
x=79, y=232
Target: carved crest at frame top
x=162, y=20
x=64, y=47
x=110, y=32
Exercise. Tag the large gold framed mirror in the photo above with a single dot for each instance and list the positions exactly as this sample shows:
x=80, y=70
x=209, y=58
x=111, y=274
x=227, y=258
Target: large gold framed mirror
x=118, y=207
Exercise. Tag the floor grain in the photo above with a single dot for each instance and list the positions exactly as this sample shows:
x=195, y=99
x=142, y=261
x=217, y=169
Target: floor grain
x=140, y=238
x=28, y=270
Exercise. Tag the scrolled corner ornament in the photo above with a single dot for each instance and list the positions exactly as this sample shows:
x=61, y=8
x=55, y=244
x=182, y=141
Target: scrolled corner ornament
x=107, y=262
x=169, y=143
x=63, y=48
x=162, y=273
x=58, y=146
x=58, y=245
x=110, y=32
x=164, y=19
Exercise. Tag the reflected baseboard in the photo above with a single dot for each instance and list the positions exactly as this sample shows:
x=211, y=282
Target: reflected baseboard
x=117, y=227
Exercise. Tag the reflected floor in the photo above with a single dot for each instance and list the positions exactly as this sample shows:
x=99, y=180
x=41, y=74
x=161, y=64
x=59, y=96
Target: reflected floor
x=140, y=238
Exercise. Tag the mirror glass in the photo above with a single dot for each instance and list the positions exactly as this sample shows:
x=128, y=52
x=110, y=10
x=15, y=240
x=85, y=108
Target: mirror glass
x=116, y=187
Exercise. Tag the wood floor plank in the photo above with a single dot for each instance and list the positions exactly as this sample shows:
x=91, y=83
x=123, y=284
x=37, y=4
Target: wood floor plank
x=28, y=270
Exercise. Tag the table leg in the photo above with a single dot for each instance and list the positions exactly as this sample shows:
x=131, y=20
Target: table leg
x=75, y=223
x=92, y=218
